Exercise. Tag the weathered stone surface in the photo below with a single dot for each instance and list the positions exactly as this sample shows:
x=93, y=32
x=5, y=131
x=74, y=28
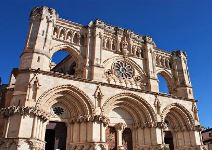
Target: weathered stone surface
x=109, y=80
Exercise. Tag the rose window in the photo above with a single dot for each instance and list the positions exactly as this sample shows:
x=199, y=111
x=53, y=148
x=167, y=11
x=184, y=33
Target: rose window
x=123, y=70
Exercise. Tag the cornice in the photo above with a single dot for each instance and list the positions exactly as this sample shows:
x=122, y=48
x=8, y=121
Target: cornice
x=24, y=111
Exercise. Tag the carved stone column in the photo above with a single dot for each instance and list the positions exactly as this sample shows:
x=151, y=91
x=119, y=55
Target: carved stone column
x=119, y=130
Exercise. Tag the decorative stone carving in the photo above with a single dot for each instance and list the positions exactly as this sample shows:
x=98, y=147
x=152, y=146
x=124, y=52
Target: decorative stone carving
x=113, y=57
x=98, y=96
x=157, y=105
x=195, y=111
x=91, y=118
x=149, y=40
x=120, y=126
x=123, y=70
x=42, y=12
x=188, y=117
x=23, y=111
x=179, y=53
x=124, y=47
x=14, y=143
x=36, y=144
x=88, y=146
x=33, y=87
x=162, y=125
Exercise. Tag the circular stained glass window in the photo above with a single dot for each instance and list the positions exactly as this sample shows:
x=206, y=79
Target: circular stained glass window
x=58, y=110
x=123, y=70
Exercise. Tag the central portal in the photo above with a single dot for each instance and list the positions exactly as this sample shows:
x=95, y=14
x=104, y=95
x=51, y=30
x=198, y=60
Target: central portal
x=55, y=137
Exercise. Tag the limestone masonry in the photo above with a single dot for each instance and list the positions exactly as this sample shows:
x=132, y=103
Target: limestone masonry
x=104, y=95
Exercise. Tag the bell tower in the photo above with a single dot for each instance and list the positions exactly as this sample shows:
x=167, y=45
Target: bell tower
x=36, y=53
x=183, y=83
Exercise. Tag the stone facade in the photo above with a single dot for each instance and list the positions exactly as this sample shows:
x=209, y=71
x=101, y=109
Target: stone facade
x=108, y=99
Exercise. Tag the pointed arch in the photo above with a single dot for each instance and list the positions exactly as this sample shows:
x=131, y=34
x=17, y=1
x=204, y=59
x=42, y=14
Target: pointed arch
x=62, y=34
x=56, y=32
x=74, y=52
x=128, y=60
x=140, y=110
x=69, y=36
x=178, y=116
x=169, y=79
x=76, y=38
x=75, y=99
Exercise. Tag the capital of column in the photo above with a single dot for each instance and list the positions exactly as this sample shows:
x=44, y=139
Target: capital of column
x=120, y=126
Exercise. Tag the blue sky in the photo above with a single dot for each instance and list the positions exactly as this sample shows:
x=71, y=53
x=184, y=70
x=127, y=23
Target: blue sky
x=173, y=24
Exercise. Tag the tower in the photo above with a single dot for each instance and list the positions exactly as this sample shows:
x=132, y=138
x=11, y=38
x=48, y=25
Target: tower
x=104, y=95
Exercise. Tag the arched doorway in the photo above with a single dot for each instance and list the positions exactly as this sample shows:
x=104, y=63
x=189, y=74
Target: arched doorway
x=129, y=111
x=65, y=103
x=178, y=122
x=55, y=137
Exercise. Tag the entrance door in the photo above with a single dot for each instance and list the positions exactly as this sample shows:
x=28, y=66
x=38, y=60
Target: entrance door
x=168, y=139
x=55, y=136
x=127, y=139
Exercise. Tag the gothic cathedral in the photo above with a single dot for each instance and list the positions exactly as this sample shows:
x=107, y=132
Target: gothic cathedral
x=103, y=96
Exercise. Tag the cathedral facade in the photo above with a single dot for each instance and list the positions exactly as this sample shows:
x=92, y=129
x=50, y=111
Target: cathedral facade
x=104, y=95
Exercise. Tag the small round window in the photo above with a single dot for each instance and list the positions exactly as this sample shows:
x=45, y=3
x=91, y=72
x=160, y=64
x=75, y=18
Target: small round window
x=58, y=110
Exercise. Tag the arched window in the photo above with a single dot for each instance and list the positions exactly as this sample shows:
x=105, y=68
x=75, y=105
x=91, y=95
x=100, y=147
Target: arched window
x=62, y=35
x=163, y=84
x=113, y=45
x=63, y=62
x=55, y=33
x=138, y=52
x=76, y=38
x=108, y=44
x=69, y=36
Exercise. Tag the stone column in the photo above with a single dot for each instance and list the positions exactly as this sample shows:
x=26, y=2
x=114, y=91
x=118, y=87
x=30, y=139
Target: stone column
x=150, y=64
x=119, y=130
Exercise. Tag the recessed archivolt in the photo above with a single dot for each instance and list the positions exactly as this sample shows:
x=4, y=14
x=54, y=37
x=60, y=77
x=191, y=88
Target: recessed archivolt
x=73, y=106
x=140, y=110
x=69, y=95
x=110, y=61
x=178, y=116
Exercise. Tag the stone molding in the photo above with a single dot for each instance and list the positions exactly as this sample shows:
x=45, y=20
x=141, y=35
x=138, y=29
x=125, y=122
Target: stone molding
x=23, y=111
x=143, y=125
x=147, y=108
x=10, y=143
x=69, y=77
x=91, y=118
x=120, y=126
x=167, y=109
x=39, y=13
x=67, y=87
x=88, y=146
